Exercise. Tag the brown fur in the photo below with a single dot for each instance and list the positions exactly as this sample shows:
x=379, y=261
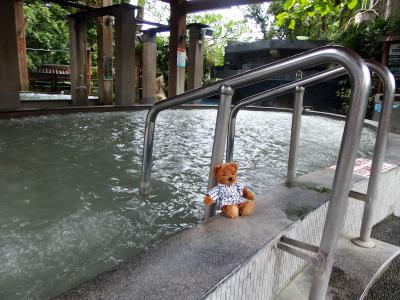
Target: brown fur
x=227, y=174
x=230, y=211
x=208, y=200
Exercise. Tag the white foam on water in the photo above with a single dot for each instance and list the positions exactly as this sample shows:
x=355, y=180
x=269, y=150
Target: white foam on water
x=70, y=206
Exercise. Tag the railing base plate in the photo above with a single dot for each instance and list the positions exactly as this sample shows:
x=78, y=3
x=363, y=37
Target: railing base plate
x=360, y=243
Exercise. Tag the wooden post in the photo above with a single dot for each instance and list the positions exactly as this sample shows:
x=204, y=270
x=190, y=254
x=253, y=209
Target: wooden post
x=89, y=70
x=105, y=58
x=125, y=34
x=137, y=79
x=196, y=56
x=9, y=66
x=149, y=67
x=78, y=63
x=176, y=77
x=21, y=40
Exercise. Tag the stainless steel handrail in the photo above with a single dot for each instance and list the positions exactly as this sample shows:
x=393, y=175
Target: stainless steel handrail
x=359, y=75
x=295, y=135
x=379, y=153
x=380, y=143
x=332, y=54
x=220, y=134
x=275, y=92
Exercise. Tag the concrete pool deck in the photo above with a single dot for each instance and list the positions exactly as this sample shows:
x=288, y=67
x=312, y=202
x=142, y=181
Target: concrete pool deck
x=238, y=258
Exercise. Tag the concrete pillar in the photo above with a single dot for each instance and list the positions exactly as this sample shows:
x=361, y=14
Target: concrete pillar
x=9, y=65
x=196, y=56
x=105, y=57
x=21, y=40
x=149, y=67
x=176, y=75
x=78, y=61
x=125, y=34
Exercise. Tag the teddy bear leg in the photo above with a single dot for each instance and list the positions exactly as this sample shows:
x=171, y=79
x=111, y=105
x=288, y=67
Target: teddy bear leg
x=230, y=211
x=246, y=208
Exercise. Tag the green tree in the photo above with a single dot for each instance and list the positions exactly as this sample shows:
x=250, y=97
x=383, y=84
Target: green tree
x=303, y=19
x=223, y=31
x=300, y=10
x=366, y=40
x=46, y=28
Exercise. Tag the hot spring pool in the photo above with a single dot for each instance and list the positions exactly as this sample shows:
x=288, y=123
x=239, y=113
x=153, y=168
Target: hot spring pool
x=70, y=207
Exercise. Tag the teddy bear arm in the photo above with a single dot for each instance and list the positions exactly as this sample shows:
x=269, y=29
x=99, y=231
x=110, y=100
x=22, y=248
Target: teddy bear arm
x=208, y=200
x=248, y=194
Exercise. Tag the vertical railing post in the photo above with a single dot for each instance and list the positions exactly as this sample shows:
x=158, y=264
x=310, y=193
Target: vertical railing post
x=231, y=137
x=295, y=135
x=379, y=154
x=220, y=136
x=337, y=205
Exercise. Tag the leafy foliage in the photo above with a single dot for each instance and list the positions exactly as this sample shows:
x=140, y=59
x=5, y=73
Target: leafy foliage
x=262, y=16
x=162, y=56
x=366, y=38
x=297, y=11
x=303, y=19
x=223, y=31
x=46, y=28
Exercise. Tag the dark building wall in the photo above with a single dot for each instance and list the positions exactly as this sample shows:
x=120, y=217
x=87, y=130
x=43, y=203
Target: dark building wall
x=241, y=57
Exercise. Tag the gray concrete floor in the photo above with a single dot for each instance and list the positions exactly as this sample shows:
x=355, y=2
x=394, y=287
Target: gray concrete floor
x=387, y=287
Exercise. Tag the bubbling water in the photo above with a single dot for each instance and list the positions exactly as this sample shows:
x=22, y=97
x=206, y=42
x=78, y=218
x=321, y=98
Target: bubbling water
x=70, y=206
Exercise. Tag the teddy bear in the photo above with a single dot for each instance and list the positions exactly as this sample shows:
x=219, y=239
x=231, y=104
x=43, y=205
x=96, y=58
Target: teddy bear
x=228, y=192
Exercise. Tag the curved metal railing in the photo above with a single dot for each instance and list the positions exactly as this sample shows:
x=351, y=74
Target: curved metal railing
x=360, y=78
x=275, y=92
x=380, y=143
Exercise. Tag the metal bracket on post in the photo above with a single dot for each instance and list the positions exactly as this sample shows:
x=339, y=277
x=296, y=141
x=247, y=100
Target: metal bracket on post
x=358, y=196
x=289, y=245
x=221, y=132
x=295, y=135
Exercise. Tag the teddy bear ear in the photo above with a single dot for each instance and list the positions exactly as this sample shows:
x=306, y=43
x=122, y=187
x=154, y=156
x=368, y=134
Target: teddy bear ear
x=235, y=165
x=217, y=168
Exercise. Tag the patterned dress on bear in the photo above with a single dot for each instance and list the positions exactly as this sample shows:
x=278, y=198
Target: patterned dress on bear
x=227, y=194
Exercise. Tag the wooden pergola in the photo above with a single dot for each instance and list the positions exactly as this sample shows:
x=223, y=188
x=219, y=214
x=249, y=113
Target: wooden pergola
x=179, y=11
x=13, y=69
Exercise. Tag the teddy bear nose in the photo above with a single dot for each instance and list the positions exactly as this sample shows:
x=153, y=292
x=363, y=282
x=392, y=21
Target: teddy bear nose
x=230, y=178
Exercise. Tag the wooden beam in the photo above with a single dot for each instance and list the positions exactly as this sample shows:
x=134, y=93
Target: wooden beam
x=78, y=62
x=149, y=67
x=196, y=56
x=23, y=67
x=158, y=25
x=125, y=34
x=203, y=5
x=89, y=70
x=112, y=10
x=67, y=3
x=105, y=57
x=176, y=75
x=9, y=67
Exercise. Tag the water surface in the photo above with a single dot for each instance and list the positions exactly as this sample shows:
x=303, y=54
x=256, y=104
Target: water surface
x=69, y=202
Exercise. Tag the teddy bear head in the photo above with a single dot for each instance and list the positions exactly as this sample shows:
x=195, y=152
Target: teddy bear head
x=226, y=173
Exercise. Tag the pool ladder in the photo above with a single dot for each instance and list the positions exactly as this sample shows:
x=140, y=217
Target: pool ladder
x=359, y=74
